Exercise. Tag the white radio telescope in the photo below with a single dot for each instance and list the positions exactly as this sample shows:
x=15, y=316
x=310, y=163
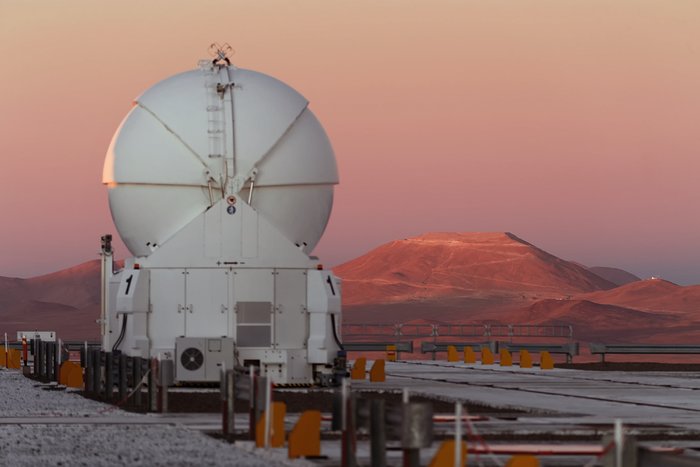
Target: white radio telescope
x=220, y=184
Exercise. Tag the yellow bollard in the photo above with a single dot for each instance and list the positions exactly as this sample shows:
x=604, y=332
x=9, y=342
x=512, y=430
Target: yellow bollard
x=279, y=410
x=376, y=373
x=74, y=378
x=305, y=437
x=523, y=460
x=469, y=354
x=65, y=370
x=452, y=355
x=506, y=358
x=358, y=369
x=14, y=359
x=487, y=357
x=445, y=456
x=391, y=353
x=546, y=361
x=525, y=359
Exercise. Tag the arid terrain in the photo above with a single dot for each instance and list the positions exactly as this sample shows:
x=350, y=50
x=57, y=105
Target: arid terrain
x=498, y=277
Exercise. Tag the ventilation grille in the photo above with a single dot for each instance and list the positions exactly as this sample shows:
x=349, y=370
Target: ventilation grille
x=192, y=359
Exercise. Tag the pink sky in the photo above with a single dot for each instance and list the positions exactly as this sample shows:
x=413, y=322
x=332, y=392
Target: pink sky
x=573, y=124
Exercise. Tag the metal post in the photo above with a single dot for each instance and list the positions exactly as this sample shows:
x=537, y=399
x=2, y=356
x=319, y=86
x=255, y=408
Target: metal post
x=417, y=431
x=619, y=438
x=51, y=361
x=96, y=361
x=153, y=404
x=55, y=360
x=59, y=354
x=458, y=434
x=268, y=414
x=39, y=359
x=222, y=395
x=109, y=376
x=88, y=373
x=253, y=403
x=229, y=412
x=348, y=420
x=377, y=432
x=337, y=411
x=44, y=360
x=165, y=379
x=33, y=348
x=138, y=374
x=46, y=348
x=122, y=377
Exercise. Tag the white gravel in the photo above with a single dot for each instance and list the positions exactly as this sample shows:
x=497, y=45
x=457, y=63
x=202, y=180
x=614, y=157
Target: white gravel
x=23, y=397
x=85, y=444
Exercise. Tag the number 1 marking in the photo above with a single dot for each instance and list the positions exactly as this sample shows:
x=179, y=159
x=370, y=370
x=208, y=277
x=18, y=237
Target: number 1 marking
x=128, y=284
x=330, y=283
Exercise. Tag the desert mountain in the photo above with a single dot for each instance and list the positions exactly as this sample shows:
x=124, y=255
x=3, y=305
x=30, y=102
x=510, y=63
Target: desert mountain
x=497, y=277
x=66, y=301
x=651, y=295
x=594, y=321
x=470, y=265
x=615, y=275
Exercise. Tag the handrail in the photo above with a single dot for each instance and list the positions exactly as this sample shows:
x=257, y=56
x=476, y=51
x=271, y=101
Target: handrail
x=639, y=349
x=423, y=330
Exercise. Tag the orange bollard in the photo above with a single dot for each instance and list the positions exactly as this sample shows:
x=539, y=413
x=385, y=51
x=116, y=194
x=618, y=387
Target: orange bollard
x=452, y=355
x=525, y=359
x=70, y=374
x=546, y=361
x=523, y=460
x=487, y=357
x=14, y=359
x=376, y=373
x=277, y=434
x=469, y=354
x=358, y=369
x=74, y=379
x=445, y=456
x=506, y=358
x=305, y=437
x=391, y=353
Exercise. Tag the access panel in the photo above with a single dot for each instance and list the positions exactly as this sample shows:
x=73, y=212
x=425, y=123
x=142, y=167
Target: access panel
x=206, y=294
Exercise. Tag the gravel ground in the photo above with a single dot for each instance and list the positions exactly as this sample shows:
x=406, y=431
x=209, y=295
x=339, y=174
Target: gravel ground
x=299, y=401
x=22, y=397
x=104, y=445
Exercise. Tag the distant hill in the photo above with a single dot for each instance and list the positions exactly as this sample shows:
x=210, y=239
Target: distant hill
x=651, y=294
x=476, y=265
x=593, y=321
x=67, y=301
x=498, y=277
x=614, y=275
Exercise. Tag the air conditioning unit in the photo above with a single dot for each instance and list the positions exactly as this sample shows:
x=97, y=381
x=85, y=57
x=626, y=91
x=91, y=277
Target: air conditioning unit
x=199, y=359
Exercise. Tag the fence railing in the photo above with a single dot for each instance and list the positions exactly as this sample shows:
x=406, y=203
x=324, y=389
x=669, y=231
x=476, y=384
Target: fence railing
x=405, y=331
x=603, y=349
x=436, y=337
